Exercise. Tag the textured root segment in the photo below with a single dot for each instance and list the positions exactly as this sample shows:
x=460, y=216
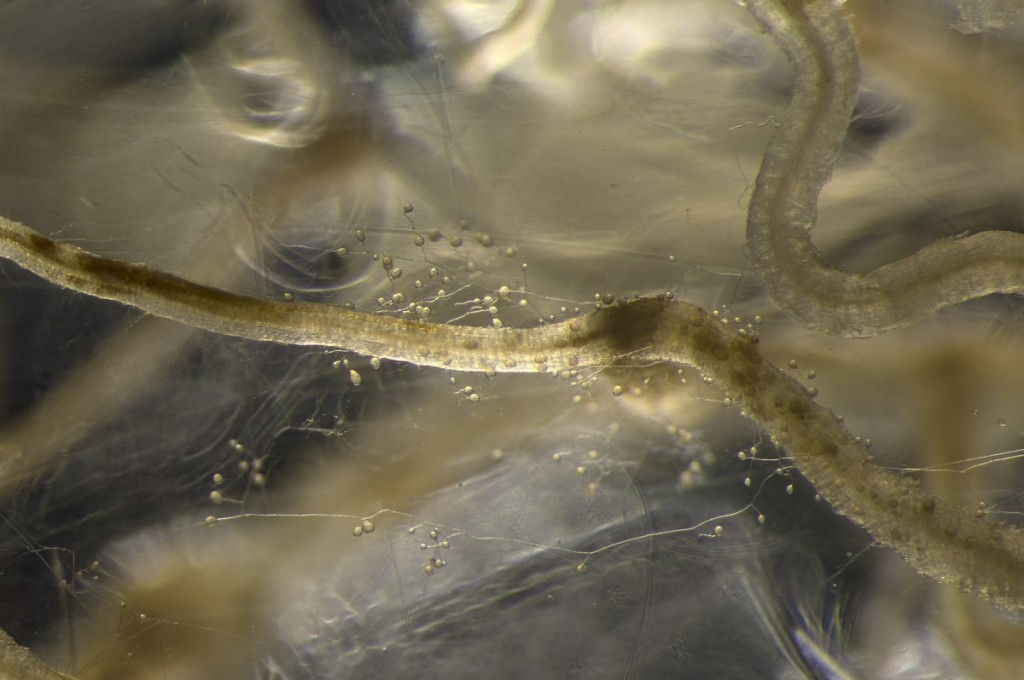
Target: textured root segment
x=820, y=47
x=18, y=663
x=946, y=542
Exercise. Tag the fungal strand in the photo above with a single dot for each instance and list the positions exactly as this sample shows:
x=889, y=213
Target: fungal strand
x=945, y=541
